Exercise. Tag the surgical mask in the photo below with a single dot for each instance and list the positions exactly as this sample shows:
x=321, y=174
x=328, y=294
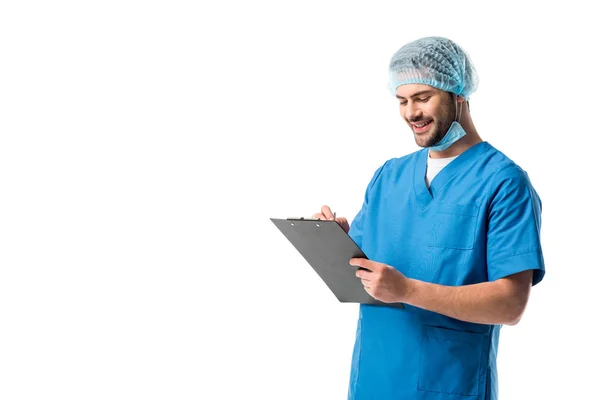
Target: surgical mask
x=454, y=133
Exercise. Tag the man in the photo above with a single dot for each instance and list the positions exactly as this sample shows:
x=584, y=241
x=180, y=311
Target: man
x=452, y=231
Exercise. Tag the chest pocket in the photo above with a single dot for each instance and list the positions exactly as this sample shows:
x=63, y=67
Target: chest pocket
x=453, y=226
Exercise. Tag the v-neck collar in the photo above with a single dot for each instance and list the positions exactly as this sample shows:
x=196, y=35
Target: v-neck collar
x=424, y=195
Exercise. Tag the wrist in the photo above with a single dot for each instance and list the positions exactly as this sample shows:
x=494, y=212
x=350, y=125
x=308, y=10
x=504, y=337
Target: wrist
x=410, y=293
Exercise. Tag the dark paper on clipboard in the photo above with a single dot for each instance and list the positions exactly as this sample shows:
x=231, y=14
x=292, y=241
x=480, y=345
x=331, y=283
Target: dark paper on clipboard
x=328, y=249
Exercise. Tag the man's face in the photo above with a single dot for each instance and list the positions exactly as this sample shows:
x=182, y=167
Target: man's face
x=427, y=110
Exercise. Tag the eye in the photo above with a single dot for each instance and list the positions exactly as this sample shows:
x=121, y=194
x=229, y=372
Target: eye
x=402, y=102
x=424, y=99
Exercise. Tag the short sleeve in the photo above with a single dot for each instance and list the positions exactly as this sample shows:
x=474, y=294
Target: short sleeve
x=514, y=225
x=356, y=227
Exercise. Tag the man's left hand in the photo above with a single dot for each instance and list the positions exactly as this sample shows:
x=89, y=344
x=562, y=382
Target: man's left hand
x=381, y=281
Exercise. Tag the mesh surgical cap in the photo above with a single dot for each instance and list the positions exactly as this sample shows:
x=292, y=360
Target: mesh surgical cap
x=433, y=61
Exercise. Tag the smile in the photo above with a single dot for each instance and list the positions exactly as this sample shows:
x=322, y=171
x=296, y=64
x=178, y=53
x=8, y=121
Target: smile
x=421, y=125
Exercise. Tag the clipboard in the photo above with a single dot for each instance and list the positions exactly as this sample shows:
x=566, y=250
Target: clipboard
x=328, y=249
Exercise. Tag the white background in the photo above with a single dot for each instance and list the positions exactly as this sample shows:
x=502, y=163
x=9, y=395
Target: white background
x=144, y=146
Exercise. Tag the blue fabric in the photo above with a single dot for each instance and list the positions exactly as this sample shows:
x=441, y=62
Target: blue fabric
x=479, y=221
x=454, y=133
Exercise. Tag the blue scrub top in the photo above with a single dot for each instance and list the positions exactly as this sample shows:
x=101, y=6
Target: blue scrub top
x=478, y=222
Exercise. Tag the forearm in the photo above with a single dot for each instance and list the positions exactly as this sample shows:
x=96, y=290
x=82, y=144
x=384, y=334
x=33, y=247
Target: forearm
x=484, y=303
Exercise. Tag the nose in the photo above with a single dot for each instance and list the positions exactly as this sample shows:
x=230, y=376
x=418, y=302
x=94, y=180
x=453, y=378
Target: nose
x=412, y=112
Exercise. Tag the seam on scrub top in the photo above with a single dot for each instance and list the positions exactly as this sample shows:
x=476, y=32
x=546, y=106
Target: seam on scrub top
x=412, y=189
x=453, y=176
x=531, y=201
x=495, y=172
x=513, y=256
x=450, y=393
x=483, y=374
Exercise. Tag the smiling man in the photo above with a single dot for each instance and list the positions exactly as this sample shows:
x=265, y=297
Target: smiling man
x=452, y=231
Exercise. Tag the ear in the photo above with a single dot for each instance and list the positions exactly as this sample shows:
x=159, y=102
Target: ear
x=460, y=99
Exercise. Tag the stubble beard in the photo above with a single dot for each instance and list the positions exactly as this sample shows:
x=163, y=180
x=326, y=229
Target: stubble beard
x=438, y=130
x=431, y=138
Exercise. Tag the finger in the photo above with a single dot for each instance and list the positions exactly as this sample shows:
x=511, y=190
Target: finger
x=363, y=274
x=318, y=216
x=343, y=223
x=357, y=262
x=362, y=263
x=370, y=265
x=326, y=211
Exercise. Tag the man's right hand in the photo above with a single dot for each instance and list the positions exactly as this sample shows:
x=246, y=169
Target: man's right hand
x=326, y=214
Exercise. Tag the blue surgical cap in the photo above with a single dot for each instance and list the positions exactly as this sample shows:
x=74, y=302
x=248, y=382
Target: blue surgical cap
x=433, y=61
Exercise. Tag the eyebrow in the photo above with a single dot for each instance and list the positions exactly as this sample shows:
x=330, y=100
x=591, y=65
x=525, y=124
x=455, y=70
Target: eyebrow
x=427, y=91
